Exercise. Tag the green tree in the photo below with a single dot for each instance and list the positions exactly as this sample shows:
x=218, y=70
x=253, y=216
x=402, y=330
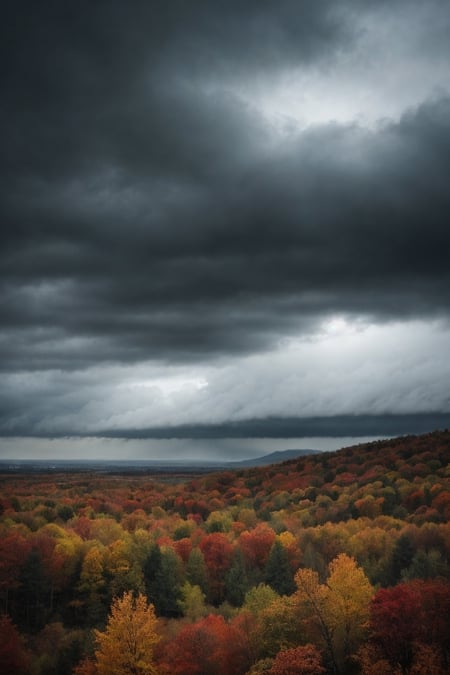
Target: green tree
x=192, y=602
x=170, y=580
x=426, y=565
x=279, y=627
x=401, y=559
x=34, y=589
x=151, y=570
x=196, y=571
x=236, y=584
x=125, y=573
x=278, y=573
x=162, y=580
x=258, y=598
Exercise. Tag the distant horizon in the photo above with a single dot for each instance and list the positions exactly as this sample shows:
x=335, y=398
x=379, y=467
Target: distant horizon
x=211, y=443
x=206, y=462
x=174, y=450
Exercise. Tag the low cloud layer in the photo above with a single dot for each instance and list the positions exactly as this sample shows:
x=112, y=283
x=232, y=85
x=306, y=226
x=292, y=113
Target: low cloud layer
x=216, y=213
x=350, y=379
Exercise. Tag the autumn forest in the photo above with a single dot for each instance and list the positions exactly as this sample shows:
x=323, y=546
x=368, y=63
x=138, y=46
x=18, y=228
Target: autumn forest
x=334, y=563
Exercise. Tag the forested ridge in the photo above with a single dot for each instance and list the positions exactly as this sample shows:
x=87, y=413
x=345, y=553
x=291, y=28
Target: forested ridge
x=335, y=563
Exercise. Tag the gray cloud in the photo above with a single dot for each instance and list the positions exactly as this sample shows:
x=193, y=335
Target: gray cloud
x=153, y=209
x=338, y=219
x=286, y=427
x=348, y=372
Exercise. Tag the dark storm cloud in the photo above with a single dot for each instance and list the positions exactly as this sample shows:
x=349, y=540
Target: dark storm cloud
x=338, y=219
x=101, y=82
x=284, y=427
x=152, y=209
x=291, y=427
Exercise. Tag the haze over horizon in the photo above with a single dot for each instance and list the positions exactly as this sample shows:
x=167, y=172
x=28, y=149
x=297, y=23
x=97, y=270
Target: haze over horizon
x=224, y=226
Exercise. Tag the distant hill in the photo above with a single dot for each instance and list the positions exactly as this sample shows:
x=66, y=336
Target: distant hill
x=274, y=458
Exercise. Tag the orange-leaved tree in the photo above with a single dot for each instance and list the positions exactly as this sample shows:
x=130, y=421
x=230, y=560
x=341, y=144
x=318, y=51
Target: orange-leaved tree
x=206, y=647
x=302, y=660
x=126, y=647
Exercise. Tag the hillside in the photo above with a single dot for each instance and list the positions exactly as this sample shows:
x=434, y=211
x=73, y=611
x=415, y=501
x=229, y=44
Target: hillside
x=395, y=477
x=236, y=557
x=273, y=458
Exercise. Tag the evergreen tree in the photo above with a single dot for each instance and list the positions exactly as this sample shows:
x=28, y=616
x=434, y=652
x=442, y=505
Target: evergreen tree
x=162, y=580
x=151, y=570
x=426, y=565
x=401, y=559
x=278, y=573
x=236, y=584
x=196, y=571
x=170, y=580
x=34, y=588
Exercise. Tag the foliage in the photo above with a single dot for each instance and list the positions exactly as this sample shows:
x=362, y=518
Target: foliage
x=348, y=598
x=337, y=611
x=192, y=602
x=128, y=641
x=200, y=647
x=237, y=583
x=278, y=572
x=303, y=660
x=14, y=658
x=278, y=627
x=259, y=597
x=412, y=613
x=375, y=515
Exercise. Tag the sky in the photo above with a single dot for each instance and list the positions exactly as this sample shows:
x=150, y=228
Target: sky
x=224, y=225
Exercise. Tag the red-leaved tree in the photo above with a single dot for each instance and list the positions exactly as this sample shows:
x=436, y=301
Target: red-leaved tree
x=417, y=612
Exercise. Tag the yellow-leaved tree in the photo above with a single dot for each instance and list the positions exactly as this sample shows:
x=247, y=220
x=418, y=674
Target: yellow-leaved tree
x=336, y=612
x=126, y=646
x=349, y=596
